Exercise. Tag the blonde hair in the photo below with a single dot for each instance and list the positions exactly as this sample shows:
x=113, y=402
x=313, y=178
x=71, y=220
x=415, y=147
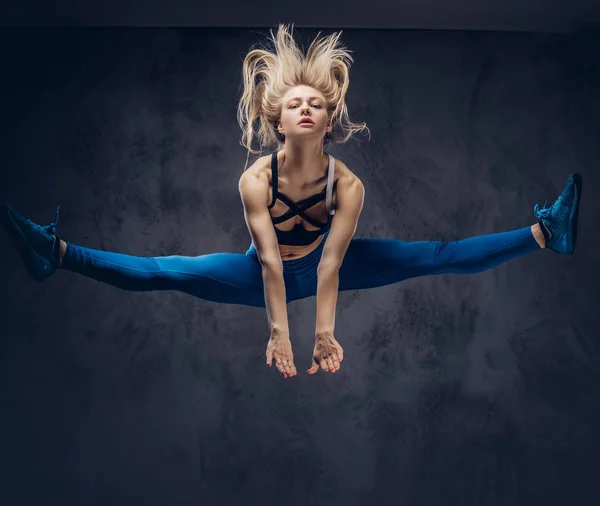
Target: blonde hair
x=269, y=74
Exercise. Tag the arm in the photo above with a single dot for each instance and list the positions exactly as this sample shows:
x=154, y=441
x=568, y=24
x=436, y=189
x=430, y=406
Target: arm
x=254, y=191
x=350, y=197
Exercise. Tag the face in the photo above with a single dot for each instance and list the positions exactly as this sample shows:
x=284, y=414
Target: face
x=301, y=103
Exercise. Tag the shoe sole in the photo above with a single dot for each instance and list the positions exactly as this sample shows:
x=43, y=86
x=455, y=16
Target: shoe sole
x=20, y=241
x=578, y=180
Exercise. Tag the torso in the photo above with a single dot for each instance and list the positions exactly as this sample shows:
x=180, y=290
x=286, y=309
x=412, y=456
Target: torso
x=298, y=191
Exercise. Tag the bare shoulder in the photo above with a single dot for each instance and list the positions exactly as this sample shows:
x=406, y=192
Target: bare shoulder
x=254, y=182
x=346, y=178
x=258, y=170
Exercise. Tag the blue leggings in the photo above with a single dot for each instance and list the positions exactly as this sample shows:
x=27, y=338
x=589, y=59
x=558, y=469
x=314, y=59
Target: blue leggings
x=236, y=278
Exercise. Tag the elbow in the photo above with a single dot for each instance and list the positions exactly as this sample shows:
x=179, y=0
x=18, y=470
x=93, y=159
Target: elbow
x=271, y=263
x=329, y=265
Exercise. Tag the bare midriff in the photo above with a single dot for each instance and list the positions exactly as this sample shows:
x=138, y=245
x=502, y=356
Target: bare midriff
x=295, y=252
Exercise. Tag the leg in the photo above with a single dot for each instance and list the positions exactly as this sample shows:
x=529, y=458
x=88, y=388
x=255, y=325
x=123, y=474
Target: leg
x=369, y=263
x=231, y=278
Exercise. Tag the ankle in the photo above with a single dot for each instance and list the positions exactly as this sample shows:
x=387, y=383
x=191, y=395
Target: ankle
x=545, y=231
x=62, y=249
x=538, y=235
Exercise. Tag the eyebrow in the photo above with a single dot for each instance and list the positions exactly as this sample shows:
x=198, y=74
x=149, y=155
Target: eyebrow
x=300, y=98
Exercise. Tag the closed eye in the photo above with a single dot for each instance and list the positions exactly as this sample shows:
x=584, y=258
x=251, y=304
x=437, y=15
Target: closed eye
x=314, y=105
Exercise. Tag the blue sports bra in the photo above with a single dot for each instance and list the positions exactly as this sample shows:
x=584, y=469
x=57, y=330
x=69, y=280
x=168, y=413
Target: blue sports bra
x=299, y=236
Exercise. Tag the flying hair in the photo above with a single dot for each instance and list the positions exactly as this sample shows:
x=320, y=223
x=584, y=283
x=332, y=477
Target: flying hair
x=270, y=71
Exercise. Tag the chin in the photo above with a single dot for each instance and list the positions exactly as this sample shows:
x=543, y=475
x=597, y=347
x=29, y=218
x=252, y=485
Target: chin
x=311, y=131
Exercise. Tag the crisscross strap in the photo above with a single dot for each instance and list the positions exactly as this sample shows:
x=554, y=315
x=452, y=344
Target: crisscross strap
x=53, y=227
x=298, y=208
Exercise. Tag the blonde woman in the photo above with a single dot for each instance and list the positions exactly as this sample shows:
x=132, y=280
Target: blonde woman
x=301, y=207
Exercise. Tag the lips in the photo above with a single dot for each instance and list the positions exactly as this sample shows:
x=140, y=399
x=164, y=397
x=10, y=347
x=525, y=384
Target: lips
x=306, y=122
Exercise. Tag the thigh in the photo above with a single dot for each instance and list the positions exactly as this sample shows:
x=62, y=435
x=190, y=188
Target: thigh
x=231, y=278
x=369, y=263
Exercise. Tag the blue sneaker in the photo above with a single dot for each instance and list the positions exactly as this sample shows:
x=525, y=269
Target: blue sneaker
x=561, y=218
x=38, y=245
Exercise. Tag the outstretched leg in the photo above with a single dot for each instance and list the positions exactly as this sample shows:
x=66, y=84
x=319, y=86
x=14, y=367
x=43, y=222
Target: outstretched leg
x=370, y=263
x=230, y=278
x=377, y=262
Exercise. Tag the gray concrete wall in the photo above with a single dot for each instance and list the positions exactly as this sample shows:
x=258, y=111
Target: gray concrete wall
x=455, y=389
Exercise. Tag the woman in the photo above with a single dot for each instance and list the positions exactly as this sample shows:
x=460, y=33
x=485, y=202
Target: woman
x=301, y=207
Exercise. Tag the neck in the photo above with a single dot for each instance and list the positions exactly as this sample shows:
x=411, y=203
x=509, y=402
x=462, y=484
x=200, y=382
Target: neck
x=303, y=160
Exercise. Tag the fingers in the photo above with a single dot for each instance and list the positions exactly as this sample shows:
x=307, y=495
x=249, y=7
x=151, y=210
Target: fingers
x=332, y=368
x=291, y=368
x=336, y=357
x=335, y=365
x=286, y=367
x=283, y=362
x=326, y=364
x=330, y=363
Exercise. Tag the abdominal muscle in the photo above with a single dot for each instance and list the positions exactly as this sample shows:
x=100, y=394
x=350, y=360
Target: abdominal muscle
x=294, y=252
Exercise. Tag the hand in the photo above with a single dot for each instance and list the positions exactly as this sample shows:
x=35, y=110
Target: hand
x=327, y=354
x=279, y=349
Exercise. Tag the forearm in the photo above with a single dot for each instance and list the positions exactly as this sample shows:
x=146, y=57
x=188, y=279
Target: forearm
x=275, y=298
x=327, y=291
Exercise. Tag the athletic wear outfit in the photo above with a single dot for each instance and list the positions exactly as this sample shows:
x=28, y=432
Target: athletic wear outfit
x=236, y=278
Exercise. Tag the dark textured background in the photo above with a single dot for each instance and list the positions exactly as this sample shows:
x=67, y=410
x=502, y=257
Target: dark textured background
x=476, y=389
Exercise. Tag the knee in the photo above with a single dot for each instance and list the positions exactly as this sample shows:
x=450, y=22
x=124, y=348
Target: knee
x=443, y=252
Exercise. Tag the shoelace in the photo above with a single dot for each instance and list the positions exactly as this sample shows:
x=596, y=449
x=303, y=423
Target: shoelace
x=53, y=227
x=541, y=213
